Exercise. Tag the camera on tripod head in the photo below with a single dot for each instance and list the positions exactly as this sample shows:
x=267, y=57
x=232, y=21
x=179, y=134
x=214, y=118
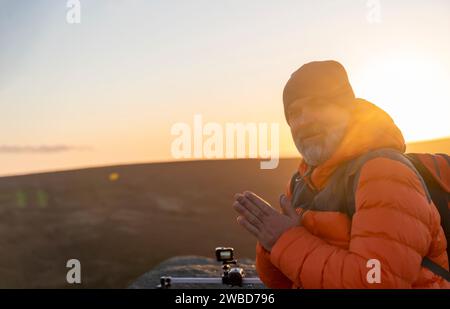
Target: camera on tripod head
x=232, y=275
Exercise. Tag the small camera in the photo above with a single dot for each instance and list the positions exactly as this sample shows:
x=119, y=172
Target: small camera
x=232, y=274
x=224, y=254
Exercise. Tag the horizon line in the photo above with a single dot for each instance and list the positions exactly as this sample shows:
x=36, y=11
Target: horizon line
x=168, y=161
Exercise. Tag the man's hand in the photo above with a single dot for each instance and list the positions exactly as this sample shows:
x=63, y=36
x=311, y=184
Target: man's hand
x=261, y=220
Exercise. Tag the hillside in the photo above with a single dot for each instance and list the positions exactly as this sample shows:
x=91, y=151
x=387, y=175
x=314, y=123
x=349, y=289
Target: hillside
x=120, y=229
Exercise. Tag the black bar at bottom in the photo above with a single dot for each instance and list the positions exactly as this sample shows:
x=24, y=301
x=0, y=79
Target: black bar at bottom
x=212, y=298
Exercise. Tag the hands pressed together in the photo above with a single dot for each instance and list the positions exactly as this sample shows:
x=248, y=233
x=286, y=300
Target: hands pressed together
x=262, y=220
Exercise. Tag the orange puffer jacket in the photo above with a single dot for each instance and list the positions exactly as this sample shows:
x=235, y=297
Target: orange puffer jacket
x=393, y=223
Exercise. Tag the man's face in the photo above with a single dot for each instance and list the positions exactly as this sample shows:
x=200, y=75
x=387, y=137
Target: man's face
x=317, y=127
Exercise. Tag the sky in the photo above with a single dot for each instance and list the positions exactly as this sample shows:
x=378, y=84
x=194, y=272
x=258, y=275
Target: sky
x=109, y=89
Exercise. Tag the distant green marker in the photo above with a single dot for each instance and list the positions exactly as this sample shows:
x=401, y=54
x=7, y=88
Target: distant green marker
x=21, y=198
x=42, y=198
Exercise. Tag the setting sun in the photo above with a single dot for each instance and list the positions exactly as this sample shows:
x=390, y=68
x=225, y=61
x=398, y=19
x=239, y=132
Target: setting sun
x=413, y=88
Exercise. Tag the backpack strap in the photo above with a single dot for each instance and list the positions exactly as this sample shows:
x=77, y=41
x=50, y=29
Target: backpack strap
x=435, y=268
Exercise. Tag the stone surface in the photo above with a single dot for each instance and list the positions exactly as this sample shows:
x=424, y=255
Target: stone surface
x=192, y=266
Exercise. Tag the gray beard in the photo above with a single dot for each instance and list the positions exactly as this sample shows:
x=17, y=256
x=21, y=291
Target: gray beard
x=315, y=154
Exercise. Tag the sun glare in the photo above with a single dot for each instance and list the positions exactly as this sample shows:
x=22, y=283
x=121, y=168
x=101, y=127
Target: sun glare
x=413, y=89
